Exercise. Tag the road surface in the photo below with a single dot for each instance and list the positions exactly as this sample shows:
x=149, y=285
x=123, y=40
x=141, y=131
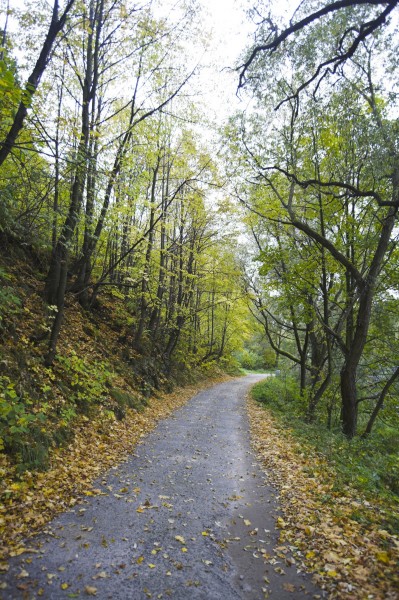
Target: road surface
x=188, y=516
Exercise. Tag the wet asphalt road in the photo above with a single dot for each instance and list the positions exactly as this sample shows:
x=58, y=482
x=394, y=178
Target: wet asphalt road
x=188, y=516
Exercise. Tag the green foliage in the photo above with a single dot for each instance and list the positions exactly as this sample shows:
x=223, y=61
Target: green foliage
x=280, y=392
x=10, y=302
x=250, y=360
x=370, y=464
x=22, y=430
x=87, y=379
x=125, y=400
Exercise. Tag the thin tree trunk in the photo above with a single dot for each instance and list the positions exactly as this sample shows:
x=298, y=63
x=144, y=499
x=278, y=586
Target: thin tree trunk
x=380, y=402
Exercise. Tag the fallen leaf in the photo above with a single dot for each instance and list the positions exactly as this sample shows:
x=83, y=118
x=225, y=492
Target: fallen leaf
x=180, y=539
x=90, y=590
x=280, y=523
x=382, y=557
x=23, y=574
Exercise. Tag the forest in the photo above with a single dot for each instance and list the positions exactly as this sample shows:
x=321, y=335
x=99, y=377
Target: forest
x=146, y=244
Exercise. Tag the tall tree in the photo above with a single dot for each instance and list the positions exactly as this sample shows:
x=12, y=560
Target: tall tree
x=57, y=23
x=337, y=194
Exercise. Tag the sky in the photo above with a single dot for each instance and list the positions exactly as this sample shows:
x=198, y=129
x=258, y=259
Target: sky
x=228, y=30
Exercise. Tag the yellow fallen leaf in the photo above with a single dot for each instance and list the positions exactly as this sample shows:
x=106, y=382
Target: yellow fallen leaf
x=22, y=574
x=331, y=557
x=151, y=566
x=140, y=560
x=280, y=523
x=205, y=533
x=21, y=550
x=64, y=586
x=382, y=557
x=90, y=590
x=180, y=539
x=184, y=549
x=102, y=574
x=310, y=554
x=308, y=530
x=248, y=523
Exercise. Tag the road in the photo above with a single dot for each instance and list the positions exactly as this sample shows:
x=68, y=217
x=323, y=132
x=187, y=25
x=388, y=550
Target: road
x=189, y=516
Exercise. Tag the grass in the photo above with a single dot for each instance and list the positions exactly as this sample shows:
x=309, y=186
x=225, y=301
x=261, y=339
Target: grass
x=370, y=465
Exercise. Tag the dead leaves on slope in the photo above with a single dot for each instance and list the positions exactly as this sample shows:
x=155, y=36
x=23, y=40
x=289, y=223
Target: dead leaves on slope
x=350, y=560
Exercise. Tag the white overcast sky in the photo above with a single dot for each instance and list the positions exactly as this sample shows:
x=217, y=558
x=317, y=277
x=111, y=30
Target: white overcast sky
x=228, y=30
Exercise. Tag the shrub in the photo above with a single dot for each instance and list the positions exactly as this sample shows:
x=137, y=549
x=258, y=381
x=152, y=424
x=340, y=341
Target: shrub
x=125, y=400
x=10, y=303
x=281, y=392
x=88, y=380
x=22, y=431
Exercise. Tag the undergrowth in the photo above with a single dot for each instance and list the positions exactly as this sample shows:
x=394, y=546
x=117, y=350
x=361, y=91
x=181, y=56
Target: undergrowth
x=370, y=465
x=96, y=372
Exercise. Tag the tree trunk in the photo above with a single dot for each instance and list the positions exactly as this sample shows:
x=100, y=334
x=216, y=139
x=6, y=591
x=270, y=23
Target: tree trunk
x=56, y=26
x=57, y=275
x=380, y=402
x=349, y=400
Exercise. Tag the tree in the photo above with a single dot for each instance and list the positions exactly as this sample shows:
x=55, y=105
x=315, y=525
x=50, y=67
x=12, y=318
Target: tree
x=98, y=29
x=355, y=26
x=361, y=184
x=56, y=25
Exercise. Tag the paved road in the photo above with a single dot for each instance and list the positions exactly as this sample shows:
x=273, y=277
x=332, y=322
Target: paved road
x=188, y=516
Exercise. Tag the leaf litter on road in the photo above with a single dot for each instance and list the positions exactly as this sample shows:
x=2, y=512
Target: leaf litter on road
x=32, y=499
x=349, y=559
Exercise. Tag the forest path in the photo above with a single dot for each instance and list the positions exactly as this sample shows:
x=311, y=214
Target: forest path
x=188, y=516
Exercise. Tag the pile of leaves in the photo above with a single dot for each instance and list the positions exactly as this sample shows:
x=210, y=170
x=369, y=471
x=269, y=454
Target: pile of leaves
x=31, y=499
x=336, y=534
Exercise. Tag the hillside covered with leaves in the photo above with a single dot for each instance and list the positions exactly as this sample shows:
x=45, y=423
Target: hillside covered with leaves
x=61, y=426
